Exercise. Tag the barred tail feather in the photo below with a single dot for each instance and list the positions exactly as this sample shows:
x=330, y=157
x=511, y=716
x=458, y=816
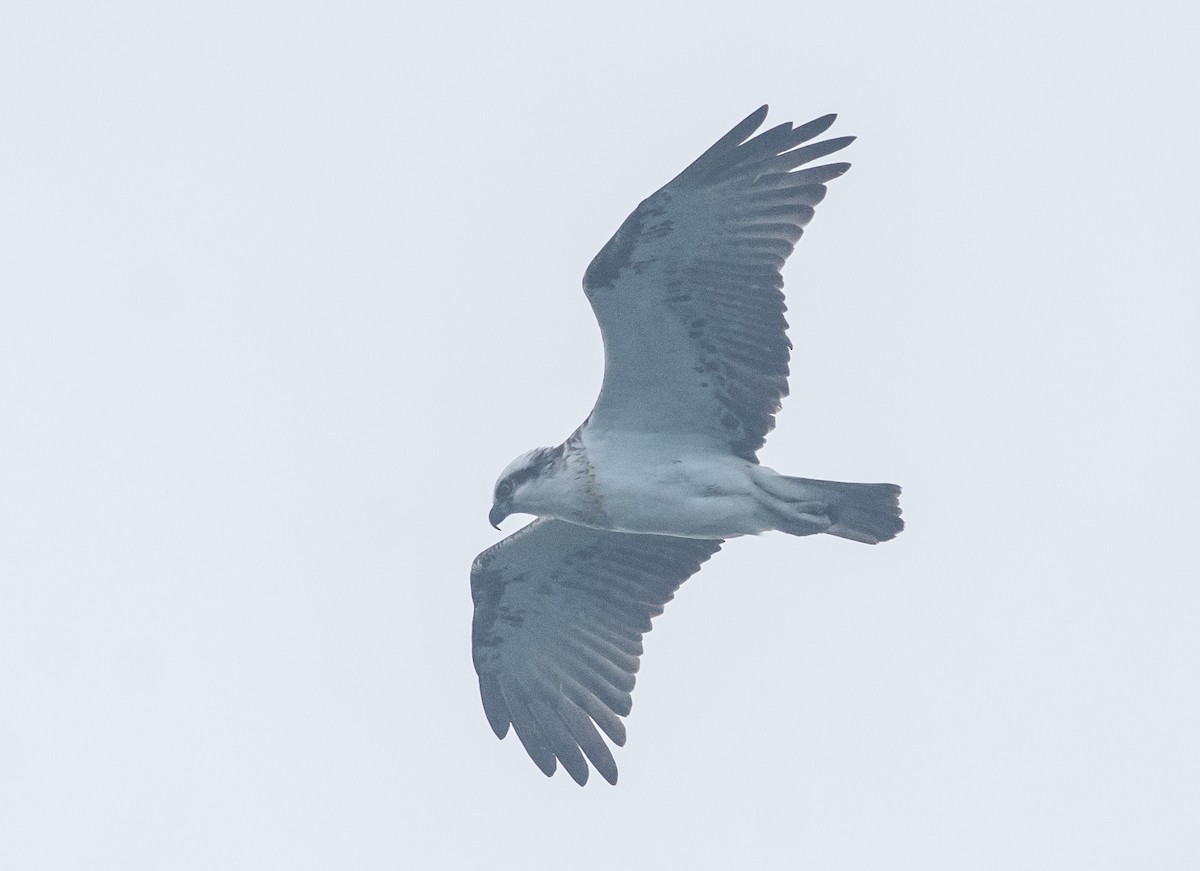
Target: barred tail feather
x=869, y=513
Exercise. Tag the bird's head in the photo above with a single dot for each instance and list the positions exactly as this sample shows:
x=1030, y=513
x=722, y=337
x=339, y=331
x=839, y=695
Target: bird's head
x=515, y=485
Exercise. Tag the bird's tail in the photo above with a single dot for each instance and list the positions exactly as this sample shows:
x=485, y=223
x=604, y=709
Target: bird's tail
x=869, y=513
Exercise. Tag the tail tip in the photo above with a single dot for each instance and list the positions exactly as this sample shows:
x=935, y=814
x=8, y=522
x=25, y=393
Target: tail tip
x=873, y=519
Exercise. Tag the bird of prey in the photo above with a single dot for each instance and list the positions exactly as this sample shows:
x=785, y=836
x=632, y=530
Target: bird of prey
x=664, y=469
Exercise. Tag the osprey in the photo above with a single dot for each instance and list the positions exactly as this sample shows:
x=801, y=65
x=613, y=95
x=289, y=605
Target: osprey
x=688, y=298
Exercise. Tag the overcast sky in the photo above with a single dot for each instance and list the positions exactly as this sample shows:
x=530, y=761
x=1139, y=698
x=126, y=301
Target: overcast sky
x=283, y=286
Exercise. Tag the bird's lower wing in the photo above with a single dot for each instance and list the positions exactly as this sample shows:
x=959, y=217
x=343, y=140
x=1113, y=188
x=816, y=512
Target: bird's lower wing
x=560, y=611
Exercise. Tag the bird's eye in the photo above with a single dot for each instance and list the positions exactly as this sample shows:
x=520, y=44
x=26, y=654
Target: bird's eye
x=504, y=490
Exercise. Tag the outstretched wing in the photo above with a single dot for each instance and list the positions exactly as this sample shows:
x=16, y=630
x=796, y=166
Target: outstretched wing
x=560, y=611
x=688, y=295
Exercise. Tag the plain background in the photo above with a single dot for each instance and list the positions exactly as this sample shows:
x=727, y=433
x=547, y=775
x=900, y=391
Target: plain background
x=283, y=286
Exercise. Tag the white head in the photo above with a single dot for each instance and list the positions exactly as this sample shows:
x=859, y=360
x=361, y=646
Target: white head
x=518, y=482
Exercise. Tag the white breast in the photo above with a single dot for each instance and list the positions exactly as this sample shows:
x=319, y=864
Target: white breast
x=649, y=484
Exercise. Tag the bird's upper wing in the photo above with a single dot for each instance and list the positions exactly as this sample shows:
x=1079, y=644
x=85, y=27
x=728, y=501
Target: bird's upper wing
x=688, y=295
x=560, y=611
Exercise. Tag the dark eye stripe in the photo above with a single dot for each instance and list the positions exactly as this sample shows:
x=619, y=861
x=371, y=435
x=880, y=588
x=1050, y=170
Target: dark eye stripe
x=536, y=467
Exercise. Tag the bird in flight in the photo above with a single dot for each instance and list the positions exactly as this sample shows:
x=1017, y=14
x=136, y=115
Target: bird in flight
x=664, y=469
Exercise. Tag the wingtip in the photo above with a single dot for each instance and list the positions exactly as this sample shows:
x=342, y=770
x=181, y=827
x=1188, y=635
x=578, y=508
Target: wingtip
x=811, y=129
x=835, y=170
x=755, y=119
x=494, y=706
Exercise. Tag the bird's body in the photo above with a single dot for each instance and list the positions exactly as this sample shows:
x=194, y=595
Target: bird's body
x=655, y=485
x=634, y=482
x=665, y=467
x=672, y=491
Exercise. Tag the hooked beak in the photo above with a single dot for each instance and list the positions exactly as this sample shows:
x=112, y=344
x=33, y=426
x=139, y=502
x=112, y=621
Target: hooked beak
x=499, y=512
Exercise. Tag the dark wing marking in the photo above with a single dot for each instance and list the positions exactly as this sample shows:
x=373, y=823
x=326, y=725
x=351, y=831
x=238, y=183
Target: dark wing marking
x=560, y=611
x=688, y=295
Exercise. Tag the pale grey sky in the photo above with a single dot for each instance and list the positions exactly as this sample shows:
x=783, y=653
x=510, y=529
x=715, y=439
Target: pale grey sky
x=284, y=286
